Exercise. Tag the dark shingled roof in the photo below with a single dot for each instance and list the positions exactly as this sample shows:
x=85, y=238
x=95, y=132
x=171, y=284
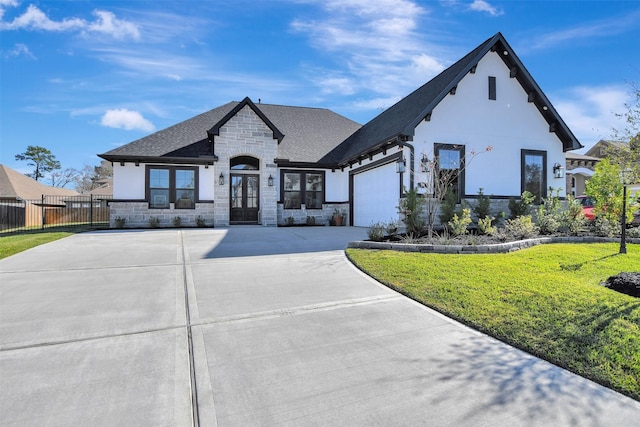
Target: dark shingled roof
x=309, y=133
x=322, y=137
x=398, y=122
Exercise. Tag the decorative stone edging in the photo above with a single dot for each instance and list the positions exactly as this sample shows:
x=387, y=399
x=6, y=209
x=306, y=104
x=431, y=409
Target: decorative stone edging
x=480, y=249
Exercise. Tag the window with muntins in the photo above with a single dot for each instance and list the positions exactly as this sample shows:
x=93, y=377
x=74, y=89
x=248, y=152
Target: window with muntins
x=302, y=186
x=171, y=184
x=534, y=173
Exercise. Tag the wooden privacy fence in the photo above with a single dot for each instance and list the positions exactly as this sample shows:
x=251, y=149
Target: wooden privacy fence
x=54, y=211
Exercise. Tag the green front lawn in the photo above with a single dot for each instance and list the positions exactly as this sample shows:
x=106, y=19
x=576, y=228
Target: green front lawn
x=10, y=245
x=545, y=300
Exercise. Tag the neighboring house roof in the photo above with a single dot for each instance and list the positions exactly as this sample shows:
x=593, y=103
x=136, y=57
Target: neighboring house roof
x=399, y=121
x=305, y=134
x=14, y=185
x=105, y=189
x=576, y=156
x=600, y=148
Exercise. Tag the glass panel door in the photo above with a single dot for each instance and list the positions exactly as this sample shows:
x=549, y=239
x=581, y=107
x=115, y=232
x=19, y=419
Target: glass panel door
x=245, y=199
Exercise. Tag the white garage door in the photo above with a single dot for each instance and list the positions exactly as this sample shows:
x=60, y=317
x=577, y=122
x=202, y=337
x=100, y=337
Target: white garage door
x=375, y=195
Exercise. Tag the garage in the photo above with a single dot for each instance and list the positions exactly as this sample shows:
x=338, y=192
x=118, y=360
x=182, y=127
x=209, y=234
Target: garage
x=376, y=192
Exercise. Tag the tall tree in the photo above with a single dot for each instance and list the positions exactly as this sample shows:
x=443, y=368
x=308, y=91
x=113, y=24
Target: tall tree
x=63, y=177
x=627, y=155
x=91, y=177
x=41, y=158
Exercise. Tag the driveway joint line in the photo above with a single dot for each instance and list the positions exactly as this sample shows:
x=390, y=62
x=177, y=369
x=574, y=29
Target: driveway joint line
x=93, y=338
x=296, y=311
x=192, y=372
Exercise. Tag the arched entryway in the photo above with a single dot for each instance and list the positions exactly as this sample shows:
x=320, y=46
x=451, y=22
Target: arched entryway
x=245, y=190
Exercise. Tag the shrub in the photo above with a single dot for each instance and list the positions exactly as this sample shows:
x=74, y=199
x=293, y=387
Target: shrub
x=459, y=224
x=119, y=222
x=154, y=222
x=200, y=222
x=411, y=207
x=521, y=227
x=634, y=232
x=573, y=219
x=482, y=208
x=290, y=221
x=485, y=225
x=392, y=227
x=311, y=220
x=376, y=231
x=177, y=221
x=522, y=206
x=448, y=207
x=606, y=226
x=550, y=213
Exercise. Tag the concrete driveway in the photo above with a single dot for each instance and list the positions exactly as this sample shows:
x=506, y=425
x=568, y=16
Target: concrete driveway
x=254, y=326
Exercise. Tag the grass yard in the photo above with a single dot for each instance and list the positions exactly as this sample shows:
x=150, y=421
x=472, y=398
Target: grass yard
x=10, y=245
x=545, y=300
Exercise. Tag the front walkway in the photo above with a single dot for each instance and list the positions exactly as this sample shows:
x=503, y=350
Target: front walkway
x=95, y=330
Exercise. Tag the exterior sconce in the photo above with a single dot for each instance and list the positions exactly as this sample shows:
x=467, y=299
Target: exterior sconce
x=400, y=165
x=270, y=181
x=558, y=170
x=424, y=163
x=221, y=179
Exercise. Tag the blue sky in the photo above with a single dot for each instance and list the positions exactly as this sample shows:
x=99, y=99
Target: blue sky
x=83, y=77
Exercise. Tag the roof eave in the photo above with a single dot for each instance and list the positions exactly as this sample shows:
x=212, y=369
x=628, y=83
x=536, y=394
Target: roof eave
x=202, y=160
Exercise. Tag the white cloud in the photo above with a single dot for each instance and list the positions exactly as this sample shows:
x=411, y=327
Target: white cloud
x=105, y=23
x=590, y=111
x=597, y=29
x=125, y=119
x=19, y=49
x=381, y=47
x=484, y=6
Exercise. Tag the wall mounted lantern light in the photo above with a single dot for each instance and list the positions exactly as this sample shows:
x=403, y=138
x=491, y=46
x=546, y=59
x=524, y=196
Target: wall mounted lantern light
x=400, y=165
x=270, y=181
x=558, y=170
x=221, y=179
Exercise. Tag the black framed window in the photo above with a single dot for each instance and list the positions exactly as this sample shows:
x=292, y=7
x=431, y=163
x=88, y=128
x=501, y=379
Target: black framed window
x=492, y=88
x=171, y=184
x=534, y=173
x=451, y=168
x=302, y=186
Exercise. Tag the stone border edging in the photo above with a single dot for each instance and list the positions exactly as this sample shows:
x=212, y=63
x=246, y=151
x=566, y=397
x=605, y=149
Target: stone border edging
x=480, y=249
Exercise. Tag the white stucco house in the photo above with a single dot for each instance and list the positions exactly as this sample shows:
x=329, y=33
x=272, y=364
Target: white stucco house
x=253, y=163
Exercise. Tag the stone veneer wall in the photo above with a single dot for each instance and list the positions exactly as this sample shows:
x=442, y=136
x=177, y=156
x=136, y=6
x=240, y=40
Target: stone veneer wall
x=245, y=134
x=137, y=214
x=497, y=206
x=322, y=216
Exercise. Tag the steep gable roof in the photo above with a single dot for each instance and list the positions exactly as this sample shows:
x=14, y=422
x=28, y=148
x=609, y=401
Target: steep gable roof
x=14, y=185
x=398, y=122
x=305, y=135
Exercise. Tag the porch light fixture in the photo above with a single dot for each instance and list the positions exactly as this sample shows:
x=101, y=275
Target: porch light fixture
x=625, y=178
x=558, y=170
x=400, y=165
x=221, y=179
x=270, y=181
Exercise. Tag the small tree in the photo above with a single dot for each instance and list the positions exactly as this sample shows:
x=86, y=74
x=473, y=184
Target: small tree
x=522, y=206
x=411, y=207
x=438, y=181
x=40, y=158
x=605, y=189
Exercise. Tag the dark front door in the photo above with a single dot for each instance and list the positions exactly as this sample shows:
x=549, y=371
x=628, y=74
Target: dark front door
x=245, y=200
